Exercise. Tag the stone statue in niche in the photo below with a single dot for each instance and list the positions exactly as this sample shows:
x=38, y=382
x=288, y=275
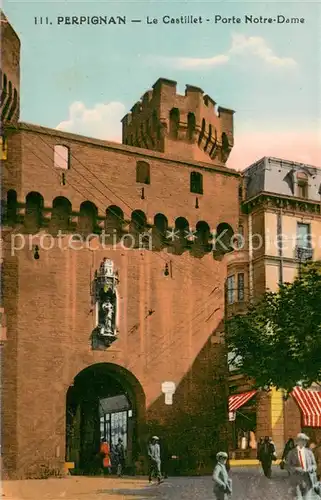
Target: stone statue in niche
x=105, y=299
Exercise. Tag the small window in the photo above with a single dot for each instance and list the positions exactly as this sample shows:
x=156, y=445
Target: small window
x=303, y=235
x=302, y=183
x=240, y=287
x=230, y=285
x=142, y=172
x=191, y=125
x=3, y=148
x=61, y=157
x=174, y=123
x=196, y=183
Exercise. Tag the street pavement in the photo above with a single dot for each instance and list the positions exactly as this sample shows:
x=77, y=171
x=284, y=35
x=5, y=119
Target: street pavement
x=248, y=484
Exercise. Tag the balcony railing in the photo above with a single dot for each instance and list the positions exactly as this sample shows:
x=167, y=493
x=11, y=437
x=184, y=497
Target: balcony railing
x=303, y=253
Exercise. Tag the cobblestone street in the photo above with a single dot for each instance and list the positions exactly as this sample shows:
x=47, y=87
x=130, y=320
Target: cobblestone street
x=248, y=484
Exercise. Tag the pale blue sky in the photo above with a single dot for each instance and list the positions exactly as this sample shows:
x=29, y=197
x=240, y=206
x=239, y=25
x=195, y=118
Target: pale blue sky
x=102, y=64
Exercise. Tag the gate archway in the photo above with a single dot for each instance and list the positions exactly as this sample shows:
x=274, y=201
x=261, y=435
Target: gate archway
x=106, y=402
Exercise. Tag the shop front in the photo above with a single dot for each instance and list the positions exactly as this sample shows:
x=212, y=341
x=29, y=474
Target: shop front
x=242, y=415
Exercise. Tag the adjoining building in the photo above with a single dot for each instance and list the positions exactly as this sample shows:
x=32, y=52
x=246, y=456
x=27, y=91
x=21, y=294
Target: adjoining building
x=110, y=287
x=281, y=225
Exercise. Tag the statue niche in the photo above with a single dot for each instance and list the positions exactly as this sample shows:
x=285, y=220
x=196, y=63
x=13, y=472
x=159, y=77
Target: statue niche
x=105, y=299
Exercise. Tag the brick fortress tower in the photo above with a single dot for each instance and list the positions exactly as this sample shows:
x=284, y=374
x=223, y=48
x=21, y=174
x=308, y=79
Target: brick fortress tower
x=9, y=73
x=189, y=125
x=76, y=372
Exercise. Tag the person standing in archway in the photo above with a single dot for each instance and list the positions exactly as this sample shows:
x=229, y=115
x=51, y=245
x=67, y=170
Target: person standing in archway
x=105, y=453
x=154, y=459
x=120, y=457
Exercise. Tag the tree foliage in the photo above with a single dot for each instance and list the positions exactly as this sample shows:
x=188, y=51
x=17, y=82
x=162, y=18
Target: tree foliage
x=278, y=341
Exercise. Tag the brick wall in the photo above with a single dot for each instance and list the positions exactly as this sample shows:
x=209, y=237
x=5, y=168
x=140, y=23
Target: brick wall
x=50, y=316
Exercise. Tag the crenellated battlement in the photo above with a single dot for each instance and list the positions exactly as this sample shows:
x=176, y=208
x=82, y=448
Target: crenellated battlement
x=189, y=125
x=9, y=73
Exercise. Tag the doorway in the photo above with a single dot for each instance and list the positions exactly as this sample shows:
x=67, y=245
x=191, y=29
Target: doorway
x=105, y=403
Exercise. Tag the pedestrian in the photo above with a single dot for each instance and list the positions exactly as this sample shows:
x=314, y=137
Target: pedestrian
x=259, y=444
x=317, y=456
x=266, y=454
x=222, y=483
x=120, y=457
x=105, y=454
x=302, y=467
x=289, y=445
x=154, y=455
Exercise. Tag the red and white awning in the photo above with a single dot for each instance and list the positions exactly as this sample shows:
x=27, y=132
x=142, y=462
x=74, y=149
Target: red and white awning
x=237, y=400
x=310, y=406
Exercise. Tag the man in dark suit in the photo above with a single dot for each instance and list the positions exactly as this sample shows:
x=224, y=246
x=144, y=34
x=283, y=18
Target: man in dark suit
x=302, y=467
x=266, y=454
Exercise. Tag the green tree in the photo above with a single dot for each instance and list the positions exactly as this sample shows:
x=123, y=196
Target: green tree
x=278, y=341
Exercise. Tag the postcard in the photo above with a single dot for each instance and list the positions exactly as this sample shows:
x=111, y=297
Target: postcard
x=160, y=249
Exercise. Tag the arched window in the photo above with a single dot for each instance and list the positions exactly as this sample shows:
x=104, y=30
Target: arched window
x=138, y=220
x=224, y=238
x=87, y=218
x=142, y=172
x=60, y=215
x=138, y=228
x=202, y=132
x=181, y=234
x=174, y=123
x=114, y=222
x=159, y=231
x=191, y=124
x=33, y=215
x=196, y=183
x=61, y=157
x=11, y=207
x=302, y=185
x=203, y=233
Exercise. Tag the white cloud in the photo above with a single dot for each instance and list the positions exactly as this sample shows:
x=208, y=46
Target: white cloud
x=186, y=62
x=257, y=46
x=241, y=45
x=103, y=121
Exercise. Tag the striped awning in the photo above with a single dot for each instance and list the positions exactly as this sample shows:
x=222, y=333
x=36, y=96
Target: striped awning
x=310, y=406
x=237, y=400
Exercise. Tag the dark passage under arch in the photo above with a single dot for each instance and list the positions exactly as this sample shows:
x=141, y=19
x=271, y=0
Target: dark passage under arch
x=105, y=403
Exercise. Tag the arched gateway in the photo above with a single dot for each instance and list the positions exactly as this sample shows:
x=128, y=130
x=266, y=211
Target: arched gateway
x=104, y=403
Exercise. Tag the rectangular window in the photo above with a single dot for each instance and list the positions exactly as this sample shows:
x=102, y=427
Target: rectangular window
x=303, y=239
x=302, y=189
x=240, y=287
x=230, y=289
x=61, y=157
